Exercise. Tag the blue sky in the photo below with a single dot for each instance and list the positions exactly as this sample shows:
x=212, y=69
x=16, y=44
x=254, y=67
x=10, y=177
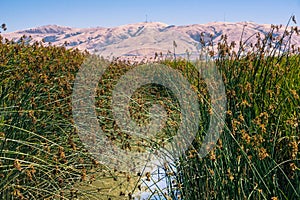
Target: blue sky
x=21, y=14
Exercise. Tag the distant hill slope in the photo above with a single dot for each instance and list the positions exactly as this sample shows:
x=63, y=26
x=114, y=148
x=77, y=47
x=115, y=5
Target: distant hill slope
x=144, y=39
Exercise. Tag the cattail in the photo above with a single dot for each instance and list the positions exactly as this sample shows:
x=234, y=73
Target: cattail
x=212, y=155
x=262, y=153
x=17, y=193
x=61, y=153
x=83, y=174
x=294, y=19
x=148, y=176
x=92, y=179
x=128, y=177
x=71, y=143
x=17, y=165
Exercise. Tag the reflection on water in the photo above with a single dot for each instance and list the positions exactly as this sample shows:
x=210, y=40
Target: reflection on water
x=158, y=185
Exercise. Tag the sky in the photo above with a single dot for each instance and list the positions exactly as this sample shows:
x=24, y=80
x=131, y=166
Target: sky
x=22, y=14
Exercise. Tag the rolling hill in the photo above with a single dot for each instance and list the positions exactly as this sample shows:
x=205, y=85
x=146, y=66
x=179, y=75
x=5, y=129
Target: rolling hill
x=144, y=39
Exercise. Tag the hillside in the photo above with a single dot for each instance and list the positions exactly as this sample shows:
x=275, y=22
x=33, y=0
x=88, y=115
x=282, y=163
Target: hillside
x=144, y=39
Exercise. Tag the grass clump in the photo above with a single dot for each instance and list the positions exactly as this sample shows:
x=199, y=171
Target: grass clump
x=40, y=152
x=257, y=156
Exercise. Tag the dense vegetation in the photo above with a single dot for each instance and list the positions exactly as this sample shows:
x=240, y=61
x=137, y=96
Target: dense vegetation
x=257, y=156
x=39, y=151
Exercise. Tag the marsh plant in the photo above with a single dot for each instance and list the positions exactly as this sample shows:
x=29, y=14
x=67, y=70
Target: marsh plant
x=256, y=157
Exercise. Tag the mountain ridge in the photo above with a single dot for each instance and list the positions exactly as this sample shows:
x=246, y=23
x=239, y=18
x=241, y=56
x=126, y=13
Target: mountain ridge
x=145, y=38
